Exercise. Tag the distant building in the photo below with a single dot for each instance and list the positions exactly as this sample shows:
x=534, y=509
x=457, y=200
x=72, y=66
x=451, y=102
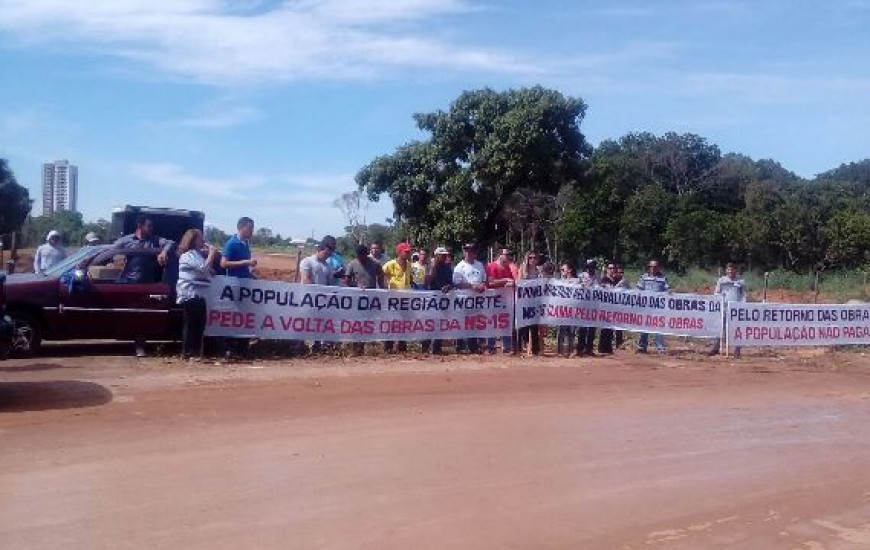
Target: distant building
x=60, y=187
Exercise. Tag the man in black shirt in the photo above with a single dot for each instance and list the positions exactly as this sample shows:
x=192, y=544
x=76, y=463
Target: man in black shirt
x=364, y=272
x=440, y=278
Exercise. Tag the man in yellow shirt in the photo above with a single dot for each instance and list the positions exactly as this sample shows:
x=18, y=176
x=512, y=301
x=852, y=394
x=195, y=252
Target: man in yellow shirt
x=398, y=272
x=398, y=277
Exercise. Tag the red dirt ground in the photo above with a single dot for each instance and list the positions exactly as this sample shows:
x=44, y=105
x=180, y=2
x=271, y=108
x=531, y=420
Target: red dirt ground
x=624, y=452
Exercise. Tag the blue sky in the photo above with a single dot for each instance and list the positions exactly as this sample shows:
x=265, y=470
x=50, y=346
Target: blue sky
x=268, y=108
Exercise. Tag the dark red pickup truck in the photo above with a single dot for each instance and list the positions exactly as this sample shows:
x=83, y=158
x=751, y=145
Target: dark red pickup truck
x=93, y=295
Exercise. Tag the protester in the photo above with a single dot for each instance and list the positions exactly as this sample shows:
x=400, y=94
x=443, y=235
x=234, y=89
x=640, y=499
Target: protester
x=335, y=260
x=653, y=280
x=566, y=334
x=420, y=270
x=236, y=258
x=469, y=274
x=440, y=277
x=236, y=262
x=586, y=335
x=397, y=273
x=377, y=253
x=364, y=272
x=139, y=268
x=605, y=336
x=49, y=254
x=316, y=270
x=499, y=274
x=91, y=239
x=530, y=334
x=733, y=288
x=194, y=277
x=622, y=283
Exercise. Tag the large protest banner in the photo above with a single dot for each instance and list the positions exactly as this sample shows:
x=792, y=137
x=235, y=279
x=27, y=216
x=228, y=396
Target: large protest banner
x=555, y=302
x=250, y=308
x=797, y=325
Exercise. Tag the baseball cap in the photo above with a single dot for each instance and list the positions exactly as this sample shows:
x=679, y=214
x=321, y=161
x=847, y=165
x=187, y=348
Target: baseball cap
x=51, y=234
x=440, y=250
x=91, y=237
x=403, y=247
x=469, y=246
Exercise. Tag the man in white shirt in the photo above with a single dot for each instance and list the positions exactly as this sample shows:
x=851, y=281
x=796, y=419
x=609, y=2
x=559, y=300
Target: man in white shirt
x=316, y=270
x=733, y=288
x=469, y=274
x=49, y=254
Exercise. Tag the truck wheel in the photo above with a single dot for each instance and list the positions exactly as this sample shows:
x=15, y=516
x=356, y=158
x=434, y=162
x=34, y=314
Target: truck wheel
x=26, y=334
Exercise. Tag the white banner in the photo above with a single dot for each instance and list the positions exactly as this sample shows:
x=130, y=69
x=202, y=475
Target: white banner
x=251, y=308
x=797, y=325
x=555, y=302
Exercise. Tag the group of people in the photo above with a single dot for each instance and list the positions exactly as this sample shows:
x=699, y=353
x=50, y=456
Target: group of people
x=411, y=269
x=52, y=251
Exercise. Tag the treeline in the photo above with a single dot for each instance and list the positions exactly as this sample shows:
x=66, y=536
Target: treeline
x=513, y=168
x=678, y=198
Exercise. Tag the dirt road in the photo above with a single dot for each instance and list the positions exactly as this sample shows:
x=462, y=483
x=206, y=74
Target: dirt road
x=611, y=453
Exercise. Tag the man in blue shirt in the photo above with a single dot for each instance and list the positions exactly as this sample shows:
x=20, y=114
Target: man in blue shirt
x=236, y=258
x=652, y=281
x=236, y=261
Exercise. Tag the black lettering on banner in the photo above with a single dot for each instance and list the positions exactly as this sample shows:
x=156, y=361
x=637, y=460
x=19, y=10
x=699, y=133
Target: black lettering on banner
x=227, y=293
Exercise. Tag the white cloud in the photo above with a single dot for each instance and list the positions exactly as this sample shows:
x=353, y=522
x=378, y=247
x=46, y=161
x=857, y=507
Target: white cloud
x=172, y=175
x=288, y=204
x=204, y=40
x=219, y=116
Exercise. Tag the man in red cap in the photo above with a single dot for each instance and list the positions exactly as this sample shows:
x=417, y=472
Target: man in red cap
x=398, y=277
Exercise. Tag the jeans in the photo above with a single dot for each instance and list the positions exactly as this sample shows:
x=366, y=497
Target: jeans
x=605, y=341
x=193, y=328
x=532, y=334
x=643, y=341
x=389, y=345
x=506, y=344
x=565, y=340
x=470, y=344
x=586, y=341
x=717, y=345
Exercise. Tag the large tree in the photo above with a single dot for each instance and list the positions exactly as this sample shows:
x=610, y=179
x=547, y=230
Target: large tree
x=15, y=201
x=489, y=145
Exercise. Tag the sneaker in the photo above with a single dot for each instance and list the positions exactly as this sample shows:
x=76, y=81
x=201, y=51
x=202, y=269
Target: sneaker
x=140, y=350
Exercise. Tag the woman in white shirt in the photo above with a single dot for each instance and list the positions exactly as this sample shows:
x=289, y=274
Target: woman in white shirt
x=194, y=277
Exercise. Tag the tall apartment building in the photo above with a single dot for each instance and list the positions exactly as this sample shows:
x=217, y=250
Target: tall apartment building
x=60, y=185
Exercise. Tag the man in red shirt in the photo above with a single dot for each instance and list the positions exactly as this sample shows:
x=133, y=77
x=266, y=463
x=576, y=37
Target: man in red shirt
x=500, y=273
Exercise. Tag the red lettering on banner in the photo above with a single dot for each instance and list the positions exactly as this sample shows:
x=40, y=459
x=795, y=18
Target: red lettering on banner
x=655, y=321
x=686, y=323
x=475, y=322
x=232, y=319
x=357, y=327
x=449, y=324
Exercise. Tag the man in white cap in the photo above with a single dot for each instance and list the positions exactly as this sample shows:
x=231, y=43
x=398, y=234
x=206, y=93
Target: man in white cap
x=92, y=239
x=49, y=254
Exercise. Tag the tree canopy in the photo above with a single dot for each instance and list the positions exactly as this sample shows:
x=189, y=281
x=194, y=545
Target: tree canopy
x=15, y=201
x=512, y=168
x=487, y=147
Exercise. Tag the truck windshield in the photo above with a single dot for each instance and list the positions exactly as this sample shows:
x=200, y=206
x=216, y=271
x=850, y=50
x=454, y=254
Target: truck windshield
x=72, y=261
